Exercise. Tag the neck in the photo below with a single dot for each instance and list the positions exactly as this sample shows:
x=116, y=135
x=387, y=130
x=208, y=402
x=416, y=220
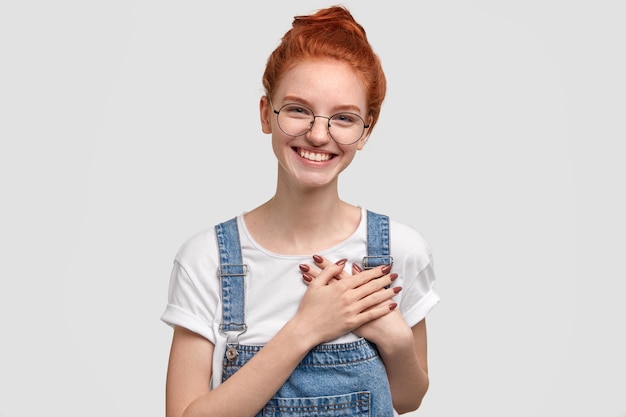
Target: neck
x=302, y=221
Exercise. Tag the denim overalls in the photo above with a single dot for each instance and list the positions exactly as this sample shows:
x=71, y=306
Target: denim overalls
x=346, y=379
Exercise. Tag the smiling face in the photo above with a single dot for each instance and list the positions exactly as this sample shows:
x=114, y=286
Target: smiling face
x=327, y=87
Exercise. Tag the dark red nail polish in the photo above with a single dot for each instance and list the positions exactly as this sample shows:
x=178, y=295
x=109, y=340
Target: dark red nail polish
x=307, y=277
x=392, y=306
x=318, y=259
x=397, y=289
x=393, y=276
x=357, y=268
x=386, y=269
x=341, y=262
x=304, y=267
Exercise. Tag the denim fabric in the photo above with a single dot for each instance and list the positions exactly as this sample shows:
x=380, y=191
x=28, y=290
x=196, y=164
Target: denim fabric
x=377, y=241
x=332, y=380
x=340, y=380
x=232, y=273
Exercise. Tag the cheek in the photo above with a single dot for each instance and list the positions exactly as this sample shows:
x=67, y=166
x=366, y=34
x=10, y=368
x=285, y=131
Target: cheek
x=280, y=143
x=348, y=156
x=351, y=150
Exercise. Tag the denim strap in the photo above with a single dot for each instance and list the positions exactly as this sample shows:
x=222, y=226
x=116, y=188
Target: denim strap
x=232, y=272
x=378, y=252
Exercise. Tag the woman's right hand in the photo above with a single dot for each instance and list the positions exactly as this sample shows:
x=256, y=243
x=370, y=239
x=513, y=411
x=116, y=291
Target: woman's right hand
x=332, y=307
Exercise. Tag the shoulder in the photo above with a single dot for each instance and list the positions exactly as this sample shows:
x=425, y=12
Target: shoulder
x=408, y=245
x=197, y=246
x=405, y=236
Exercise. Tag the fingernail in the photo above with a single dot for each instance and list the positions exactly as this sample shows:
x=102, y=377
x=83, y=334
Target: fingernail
x=392, y=306
x=386, y=269
x=304, y=267
x=397, y=289
x=356, y=268
x=318, y=259
x=307, y=277
x=341, y=262
x=391, y=276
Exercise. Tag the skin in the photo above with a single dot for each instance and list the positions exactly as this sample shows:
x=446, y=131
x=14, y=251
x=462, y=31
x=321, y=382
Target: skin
x=306, y=215
x=402, y=349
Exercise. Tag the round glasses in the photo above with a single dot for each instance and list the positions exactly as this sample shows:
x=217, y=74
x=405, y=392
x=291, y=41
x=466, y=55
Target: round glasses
x=295, y=120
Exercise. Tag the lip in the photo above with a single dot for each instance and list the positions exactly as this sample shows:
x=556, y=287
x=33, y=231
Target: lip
x=314, y=156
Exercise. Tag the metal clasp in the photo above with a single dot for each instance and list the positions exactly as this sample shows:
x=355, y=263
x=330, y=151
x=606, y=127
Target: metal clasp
x=223, y=271
x=231, y=347
x=377, y=260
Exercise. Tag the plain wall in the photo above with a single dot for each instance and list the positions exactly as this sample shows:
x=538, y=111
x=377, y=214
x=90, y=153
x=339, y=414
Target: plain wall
x=127, y=126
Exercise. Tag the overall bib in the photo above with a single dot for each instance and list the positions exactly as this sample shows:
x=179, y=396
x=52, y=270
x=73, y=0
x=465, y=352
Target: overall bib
x=339, y=380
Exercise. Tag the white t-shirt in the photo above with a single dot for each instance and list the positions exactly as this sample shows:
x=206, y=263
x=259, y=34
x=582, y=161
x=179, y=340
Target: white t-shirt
x=274, y=284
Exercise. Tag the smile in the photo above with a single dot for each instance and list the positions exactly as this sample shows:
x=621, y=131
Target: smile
x=314, y=156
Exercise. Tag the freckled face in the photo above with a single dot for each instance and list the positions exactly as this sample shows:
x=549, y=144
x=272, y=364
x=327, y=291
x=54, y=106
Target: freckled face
x=327, y=87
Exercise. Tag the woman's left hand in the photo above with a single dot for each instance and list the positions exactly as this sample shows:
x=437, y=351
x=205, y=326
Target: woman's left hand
x=376, y=331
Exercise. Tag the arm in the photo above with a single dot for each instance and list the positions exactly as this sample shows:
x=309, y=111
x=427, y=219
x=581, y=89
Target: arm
x=402, y=349
x=403, y=352
x=324, y=314
x=245, y=393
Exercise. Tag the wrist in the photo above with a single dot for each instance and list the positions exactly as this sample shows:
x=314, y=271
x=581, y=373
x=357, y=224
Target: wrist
x=397, y=339
x=300, y=336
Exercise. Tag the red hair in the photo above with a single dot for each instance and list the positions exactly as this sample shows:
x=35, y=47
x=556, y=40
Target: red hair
x=329, y=33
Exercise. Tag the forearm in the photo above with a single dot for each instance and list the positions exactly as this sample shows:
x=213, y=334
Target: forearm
x=251, y=387
x=408, y=378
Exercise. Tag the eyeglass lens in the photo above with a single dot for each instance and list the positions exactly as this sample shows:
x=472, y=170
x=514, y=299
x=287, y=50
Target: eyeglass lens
x=296, y=119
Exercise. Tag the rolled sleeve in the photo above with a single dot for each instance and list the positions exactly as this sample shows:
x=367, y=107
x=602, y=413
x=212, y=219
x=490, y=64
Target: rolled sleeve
x=188, y=305
x=419, y=295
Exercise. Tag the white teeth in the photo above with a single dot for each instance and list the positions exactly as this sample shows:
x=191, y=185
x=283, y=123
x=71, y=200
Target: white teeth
x=313, y=156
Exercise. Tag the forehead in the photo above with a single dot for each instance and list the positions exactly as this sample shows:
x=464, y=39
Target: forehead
x=323, y=82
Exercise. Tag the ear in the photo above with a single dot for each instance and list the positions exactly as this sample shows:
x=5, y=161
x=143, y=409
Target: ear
x=265, y=112
x=366, y=135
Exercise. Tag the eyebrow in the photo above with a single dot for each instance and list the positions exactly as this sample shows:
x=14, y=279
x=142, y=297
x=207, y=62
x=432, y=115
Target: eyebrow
x=343, y=108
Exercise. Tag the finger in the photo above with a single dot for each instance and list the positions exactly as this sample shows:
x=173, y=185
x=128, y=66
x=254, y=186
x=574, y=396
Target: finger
x=381, y=287
x=323, y=263
x=376, y=311
x=377, y=298
x=328, y=273
x=369, y=274
x=308, y=272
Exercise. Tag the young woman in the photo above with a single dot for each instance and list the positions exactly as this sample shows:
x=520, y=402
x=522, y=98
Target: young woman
x=306, y=305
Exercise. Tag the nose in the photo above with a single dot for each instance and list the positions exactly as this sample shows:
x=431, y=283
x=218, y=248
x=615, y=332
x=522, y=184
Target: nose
x=318, y=135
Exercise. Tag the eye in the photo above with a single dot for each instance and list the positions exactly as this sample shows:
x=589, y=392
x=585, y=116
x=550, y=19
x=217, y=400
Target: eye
x=346, y=119
x=297, y=111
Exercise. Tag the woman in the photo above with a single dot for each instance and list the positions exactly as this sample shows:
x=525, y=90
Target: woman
x=306, y=305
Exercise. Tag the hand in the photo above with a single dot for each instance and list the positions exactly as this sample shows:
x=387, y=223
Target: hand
x=376, y=329
x=332, y=307
x=381, y=329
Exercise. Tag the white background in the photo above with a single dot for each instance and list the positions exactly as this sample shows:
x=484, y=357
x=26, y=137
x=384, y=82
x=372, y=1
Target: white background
x=127, y=126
